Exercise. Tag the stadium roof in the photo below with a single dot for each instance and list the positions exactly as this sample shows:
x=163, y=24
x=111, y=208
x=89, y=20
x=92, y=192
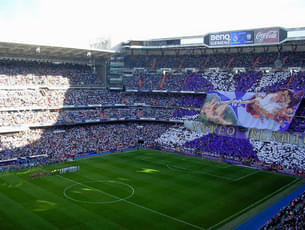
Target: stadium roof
x=51, y=53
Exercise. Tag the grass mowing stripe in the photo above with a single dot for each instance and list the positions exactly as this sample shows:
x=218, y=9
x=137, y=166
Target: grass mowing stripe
x=44, y=196
x=83, y=217
x=137, y=205
x=67, y=210
x=23, y=217
x=254, y=204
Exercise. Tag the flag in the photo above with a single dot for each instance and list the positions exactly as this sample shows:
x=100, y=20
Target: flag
x=140, y=83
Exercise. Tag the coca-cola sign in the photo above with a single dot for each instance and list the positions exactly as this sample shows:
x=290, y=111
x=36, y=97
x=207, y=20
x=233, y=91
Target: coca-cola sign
x=266, y=36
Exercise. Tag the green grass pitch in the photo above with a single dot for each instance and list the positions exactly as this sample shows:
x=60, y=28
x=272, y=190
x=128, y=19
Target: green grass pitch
x=135, y=190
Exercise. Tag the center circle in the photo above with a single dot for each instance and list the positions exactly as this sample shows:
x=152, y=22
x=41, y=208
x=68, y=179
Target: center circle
x=99, y=192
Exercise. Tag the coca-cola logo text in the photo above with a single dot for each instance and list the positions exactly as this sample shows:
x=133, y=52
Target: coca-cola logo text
x=266, y=36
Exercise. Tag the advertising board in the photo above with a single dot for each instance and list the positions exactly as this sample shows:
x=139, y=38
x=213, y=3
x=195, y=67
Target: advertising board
x=242, y=38
x=220, y=39
x=236, y=38
x=231, y=38
x=266, y=36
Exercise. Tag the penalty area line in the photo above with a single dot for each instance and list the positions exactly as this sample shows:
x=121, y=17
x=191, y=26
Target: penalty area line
x=136, y=205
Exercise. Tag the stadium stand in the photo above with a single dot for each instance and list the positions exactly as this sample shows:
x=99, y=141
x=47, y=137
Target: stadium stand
x=216, y=60
x=67, y=142
x=222, y=81
x=34, y=94
x=25, y=73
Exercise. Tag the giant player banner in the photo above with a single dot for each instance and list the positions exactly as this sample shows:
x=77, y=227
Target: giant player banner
x=273, y=111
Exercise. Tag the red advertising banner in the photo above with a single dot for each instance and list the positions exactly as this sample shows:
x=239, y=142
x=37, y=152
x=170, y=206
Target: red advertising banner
x=267, y=36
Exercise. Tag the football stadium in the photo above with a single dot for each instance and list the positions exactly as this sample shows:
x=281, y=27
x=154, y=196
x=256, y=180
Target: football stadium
x=196, y=132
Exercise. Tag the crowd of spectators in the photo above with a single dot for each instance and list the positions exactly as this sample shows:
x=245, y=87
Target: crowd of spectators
x=176, y=136
x=274, y=81
x=195, y=82
x=223, y=145
x=13, y=118
x=289, y=217
x=289, y=158
x=45, y=106
x=45, y=98
x=186, y=114
x=221, y=60
x=247, y=82
x=60, y=142
x=32, y=73
x=220, y=81
x=134, y=106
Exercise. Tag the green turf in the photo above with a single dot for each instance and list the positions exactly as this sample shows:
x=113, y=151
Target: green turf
x=135, y=190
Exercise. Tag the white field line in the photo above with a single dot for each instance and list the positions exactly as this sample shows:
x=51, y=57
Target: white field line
x=177, y=168
x=149, y=159
x=94, y=189
x=217, y=165
x=105, y=155
x=252, y=205
x=243, y=177
x=136, y=205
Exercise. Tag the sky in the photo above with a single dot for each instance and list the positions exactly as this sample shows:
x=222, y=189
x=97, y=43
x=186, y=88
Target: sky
x=74, y=23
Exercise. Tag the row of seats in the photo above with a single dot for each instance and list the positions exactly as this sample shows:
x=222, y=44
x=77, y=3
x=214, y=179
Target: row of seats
x=187, y=108
x=60, y=142
x=222, y=60
x=26, y=73
x=51, y=98
x=9, y=119
x=220, y=81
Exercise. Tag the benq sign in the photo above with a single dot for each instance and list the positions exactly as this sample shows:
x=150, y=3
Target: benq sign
x=220, y=39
